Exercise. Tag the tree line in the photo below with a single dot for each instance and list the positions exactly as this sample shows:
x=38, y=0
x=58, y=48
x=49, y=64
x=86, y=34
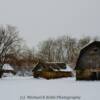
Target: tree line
x=14, y=51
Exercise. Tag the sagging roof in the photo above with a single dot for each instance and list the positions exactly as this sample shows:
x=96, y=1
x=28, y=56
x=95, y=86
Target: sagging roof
x=49, y=66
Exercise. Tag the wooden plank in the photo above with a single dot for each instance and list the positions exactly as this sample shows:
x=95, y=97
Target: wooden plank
x=94, y=70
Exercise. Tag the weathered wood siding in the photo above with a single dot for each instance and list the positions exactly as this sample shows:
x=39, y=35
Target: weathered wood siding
x=87, y=74
x=52, y=74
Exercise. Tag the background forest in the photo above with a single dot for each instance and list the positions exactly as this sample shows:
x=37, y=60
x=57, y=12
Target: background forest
x=14, y=51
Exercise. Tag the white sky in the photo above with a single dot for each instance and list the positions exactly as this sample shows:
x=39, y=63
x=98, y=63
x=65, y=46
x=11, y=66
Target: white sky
x=40, y=19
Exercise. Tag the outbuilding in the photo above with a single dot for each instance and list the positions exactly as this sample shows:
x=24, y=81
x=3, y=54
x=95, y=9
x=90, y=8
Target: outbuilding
x=51, y=70
x=7, y=70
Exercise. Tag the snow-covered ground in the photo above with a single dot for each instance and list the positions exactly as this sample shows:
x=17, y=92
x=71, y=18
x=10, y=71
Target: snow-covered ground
x=29, y=88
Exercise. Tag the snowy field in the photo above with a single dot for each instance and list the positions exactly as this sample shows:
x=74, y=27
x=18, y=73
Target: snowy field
x=28, y=88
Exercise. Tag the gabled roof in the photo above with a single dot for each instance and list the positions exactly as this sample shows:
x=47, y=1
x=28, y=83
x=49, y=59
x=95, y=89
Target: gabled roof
x=50, y=66
x=96, y=43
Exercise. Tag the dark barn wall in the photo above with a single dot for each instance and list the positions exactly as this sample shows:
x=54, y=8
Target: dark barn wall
x=88, y=63
x=90, y=58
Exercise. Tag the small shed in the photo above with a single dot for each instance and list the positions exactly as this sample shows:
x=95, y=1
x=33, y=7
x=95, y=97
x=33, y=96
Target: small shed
x=7, y=70
x=51, y=70
x=88, y=63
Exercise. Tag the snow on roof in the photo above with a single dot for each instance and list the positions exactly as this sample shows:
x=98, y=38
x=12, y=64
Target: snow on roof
x=68, y=68
x=7, y=67
x=87, y=44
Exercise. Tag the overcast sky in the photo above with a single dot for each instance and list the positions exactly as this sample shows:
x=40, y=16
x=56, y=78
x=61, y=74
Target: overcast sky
x=39, y=19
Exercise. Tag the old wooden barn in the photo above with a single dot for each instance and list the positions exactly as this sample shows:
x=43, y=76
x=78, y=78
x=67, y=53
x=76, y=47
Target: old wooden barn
x=50, y=70
x=88, y=63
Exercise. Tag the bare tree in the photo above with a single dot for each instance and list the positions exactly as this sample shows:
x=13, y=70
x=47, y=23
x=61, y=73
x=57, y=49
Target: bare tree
x=45, y=50
x=9, y=42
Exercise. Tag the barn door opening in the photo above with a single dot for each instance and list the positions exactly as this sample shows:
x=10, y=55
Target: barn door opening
x=95, y=62
x=98, y=75
x=95, y=76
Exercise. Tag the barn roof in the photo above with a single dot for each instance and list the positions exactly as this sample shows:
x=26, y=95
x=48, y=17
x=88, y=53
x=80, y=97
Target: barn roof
x=50, y=66
x=85, y=48
x=96, y=43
